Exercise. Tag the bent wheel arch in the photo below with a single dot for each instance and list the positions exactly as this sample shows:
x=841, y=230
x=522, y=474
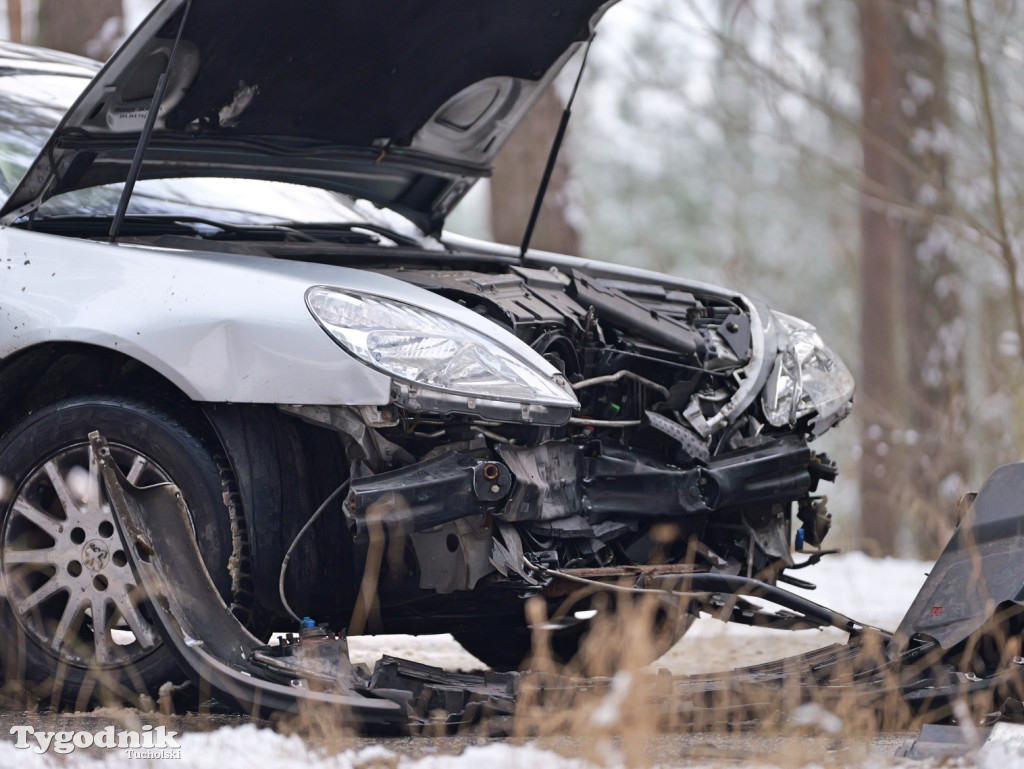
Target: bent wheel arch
x=31, y=452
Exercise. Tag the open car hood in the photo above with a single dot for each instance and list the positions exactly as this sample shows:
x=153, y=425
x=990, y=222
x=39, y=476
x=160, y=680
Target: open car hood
x=401, y=102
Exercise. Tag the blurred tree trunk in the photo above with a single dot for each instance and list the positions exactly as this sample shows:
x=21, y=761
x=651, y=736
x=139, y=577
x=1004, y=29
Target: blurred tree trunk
x=935, y=462
x=880, y=244
x=90, y=28
x=517, y=173
x=734, y=106
x=14, y=20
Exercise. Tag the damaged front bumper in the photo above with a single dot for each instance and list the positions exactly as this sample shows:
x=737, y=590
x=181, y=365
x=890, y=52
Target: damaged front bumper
x=450, y=505
x=559, y=480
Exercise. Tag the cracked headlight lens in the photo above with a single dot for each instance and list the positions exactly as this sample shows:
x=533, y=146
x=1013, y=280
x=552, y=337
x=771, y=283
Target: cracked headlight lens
x=420, y=347
x=808, y=378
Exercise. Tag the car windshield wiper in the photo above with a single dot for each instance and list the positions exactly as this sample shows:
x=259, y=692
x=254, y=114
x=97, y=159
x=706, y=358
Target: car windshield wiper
x=148, y=225
x=342, y=233
x=339, y=233
x=88, y=226
x=331, y=230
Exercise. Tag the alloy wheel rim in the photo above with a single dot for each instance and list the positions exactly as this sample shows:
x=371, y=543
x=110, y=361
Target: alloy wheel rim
x=64, y=566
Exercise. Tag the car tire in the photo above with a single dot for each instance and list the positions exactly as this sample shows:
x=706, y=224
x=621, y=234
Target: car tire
x=62, y=563
x=508, y=644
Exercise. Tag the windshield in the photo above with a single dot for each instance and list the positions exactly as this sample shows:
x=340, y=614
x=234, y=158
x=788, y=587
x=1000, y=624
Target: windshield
x=31, y=106
x=235, y=201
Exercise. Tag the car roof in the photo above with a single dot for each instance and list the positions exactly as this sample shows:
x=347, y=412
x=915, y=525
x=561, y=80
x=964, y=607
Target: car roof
x=16, y=59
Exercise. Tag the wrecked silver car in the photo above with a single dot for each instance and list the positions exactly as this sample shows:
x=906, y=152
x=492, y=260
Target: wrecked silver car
x=229, y=258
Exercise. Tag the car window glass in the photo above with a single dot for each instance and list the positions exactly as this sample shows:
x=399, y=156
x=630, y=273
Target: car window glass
x=235, y=201
x=32, y=107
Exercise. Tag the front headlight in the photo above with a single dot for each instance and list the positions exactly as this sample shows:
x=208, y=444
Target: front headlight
x=808, y=378
x=418, y=346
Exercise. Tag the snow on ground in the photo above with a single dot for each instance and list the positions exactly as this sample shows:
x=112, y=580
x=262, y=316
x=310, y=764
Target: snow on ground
x=248, y=745
x=874, y=591
x=245, y=746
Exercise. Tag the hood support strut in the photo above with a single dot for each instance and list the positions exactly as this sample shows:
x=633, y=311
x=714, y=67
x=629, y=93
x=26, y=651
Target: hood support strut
x=556, y=145
x=147, y=133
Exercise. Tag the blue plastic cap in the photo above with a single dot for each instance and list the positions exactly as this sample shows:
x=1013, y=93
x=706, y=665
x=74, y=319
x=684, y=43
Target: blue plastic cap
x=307, y=622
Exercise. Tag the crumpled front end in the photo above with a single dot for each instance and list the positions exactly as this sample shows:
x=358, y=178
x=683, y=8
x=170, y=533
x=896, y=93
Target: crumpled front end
x=672, y=428
x=579, y=500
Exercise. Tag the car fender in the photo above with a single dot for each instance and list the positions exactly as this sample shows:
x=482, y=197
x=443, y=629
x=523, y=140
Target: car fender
x=220, y=327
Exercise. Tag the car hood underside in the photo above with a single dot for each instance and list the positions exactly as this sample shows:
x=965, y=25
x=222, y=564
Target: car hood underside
x=404, y=103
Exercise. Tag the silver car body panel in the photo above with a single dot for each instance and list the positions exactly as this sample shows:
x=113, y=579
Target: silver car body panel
x=220, y=327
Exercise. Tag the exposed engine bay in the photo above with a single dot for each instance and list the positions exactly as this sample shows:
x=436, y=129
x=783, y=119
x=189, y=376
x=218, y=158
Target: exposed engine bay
x=675, y=456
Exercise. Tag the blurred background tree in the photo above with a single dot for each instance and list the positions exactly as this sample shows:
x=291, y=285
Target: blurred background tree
x=90, y=28
x=517, y=174
x=855, y=163
x=14, y=21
